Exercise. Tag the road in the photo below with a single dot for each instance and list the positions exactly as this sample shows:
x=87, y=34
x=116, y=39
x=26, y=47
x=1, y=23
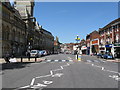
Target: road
x=61, y=71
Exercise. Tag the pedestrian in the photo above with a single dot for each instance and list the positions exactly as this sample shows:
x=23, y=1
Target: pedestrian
x=7, y=57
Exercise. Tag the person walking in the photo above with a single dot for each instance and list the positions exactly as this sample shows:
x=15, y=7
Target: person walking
x=7, y=57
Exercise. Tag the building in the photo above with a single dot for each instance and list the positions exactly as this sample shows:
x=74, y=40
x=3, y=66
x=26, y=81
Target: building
x=37, y=37
x=47, y=41
x=88, y=44
x=83, y=48
x=57, y=47
x=26, y=9
x=13, y=30
x=110, y=38
x=20, y=30
x=92, y=43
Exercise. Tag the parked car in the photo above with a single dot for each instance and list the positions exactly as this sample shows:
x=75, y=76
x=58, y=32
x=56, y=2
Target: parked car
x=108, y=56
x=99, y=55
x=34, y=53
x=44, y=52
x=40, y=53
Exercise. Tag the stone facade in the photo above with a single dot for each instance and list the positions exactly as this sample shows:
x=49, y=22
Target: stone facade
x=13, y=30
x=20, y=33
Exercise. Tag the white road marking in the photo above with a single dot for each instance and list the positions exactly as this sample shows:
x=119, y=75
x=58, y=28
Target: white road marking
x=57, y=75
x=25, y=86
x=38, y=85
x=92, y=64
x=56, y=60
x=32, y=82
x=51, y=72
x=116, y=77
x=63, y=60
x=102, y=68
x=47, y=82
x=112, y=71
x=43, y=76
x=56, y=69
x=48, y=60
x=66, y=65
x=61, y=67
x=89, y=61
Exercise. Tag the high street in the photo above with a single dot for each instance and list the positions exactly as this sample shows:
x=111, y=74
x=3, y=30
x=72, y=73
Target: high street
x=61, y=71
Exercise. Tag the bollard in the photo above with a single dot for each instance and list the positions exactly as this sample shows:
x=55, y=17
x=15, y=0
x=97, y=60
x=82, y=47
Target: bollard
x=28, y=58
x=79, y=57
x=21, y=59
x=35, y=59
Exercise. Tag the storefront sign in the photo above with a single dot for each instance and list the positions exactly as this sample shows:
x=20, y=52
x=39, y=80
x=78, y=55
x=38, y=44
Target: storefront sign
x=109, y=45
x=83, y=48
x=95, y=42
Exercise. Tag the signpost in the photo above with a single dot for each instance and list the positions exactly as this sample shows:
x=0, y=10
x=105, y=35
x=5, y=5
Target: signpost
x=77, y=39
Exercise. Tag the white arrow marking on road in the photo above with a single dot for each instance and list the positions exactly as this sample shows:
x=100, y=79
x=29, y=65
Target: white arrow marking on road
x=48, y=82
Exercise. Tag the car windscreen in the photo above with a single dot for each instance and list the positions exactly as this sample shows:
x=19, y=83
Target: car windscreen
x=33, y=51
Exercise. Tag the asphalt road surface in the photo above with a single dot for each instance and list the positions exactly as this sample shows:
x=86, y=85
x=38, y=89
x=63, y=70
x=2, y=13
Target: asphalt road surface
x=61, y=71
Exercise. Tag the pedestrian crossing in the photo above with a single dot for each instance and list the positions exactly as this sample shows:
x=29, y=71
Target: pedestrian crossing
x=60, y=60
x=96, y=61
x=57, y=60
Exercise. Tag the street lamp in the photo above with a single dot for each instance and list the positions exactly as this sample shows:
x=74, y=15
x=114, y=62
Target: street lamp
x=77, y=39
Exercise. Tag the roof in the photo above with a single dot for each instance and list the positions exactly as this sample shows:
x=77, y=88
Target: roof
x=109, y=25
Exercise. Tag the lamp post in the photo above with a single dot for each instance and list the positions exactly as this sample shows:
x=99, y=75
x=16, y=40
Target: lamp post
x=77, y=39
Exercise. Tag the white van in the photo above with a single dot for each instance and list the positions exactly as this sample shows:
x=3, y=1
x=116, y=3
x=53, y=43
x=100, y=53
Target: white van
x=34, y=53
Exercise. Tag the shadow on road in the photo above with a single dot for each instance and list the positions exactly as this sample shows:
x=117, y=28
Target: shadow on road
x=18, y=65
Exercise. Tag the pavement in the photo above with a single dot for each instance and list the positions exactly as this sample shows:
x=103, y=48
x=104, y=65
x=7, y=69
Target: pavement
x=23, y=60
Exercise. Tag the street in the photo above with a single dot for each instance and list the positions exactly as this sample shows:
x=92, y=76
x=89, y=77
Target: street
x=61, y=71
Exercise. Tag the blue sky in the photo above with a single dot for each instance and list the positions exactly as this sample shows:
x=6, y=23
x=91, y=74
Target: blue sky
x=68, y=19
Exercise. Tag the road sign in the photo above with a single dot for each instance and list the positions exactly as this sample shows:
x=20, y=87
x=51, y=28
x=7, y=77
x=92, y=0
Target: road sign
x=77, y=39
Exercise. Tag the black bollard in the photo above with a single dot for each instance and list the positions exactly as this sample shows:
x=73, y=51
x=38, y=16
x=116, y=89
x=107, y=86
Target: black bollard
x=35, y=59
x=28, y=58
x=21, y=59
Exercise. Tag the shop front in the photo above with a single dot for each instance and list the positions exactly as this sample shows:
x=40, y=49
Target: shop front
x=117, y=50
x=84, y=49
x=108, y=48
x=88, y=51
x=102, y=49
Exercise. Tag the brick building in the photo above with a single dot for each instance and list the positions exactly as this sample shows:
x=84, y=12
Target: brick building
x=92, y=42
x=110, y=38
